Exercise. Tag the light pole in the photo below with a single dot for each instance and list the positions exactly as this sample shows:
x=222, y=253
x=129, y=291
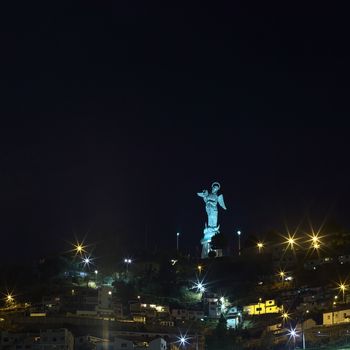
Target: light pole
x=342, y=288
x=260, y=246
x=127, y=262
x=239, y=242
x=282, y=275
x=292, y=335
x=177, y=240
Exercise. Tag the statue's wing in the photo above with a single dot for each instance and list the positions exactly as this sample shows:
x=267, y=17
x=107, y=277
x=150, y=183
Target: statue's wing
x=221, y=201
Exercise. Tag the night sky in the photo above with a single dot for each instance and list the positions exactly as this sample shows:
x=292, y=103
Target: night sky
x=114, y=114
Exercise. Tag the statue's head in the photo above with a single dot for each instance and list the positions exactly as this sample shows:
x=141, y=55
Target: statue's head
x=215, y=187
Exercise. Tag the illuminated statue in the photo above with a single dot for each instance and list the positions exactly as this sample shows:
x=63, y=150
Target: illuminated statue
x=211, y=206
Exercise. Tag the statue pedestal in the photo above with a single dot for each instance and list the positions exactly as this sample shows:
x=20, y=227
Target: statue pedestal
x=208, y=232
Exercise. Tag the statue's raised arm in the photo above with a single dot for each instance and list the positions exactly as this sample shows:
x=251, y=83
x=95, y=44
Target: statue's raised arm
x=203, y=194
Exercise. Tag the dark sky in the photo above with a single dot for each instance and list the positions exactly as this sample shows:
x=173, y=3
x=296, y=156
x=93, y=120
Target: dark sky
x=114, y=114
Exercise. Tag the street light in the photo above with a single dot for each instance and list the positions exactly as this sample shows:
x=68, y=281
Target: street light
x=177, y=240
x=79, y=248
x=199, y=267
x=290, y=241
x=239, y=242
x=9, y=298
x=282, y=274
x=183, y=339
x=343, y=287
x=87, y=260
x=315, y=240
x=200, y=286
x=260, y=246
x=127, y=262
x=292, y=332
x=285, y=317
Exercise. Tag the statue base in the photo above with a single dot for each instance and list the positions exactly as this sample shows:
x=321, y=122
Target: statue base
x=209, y=232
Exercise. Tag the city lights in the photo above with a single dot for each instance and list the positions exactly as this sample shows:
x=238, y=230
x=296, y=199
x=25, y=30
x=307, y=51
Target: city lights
x=342, y=288
x=199, y=286
x=183, y=340
x=285, y=316
x=87, y=261
x=127, y=262
x=223, y=304
x=9, y=298
x=260, y=246
x=293, y=333
x=290, y=241
x=239, y=241
x=199, y=268
x=79, y=248
x=315, y=241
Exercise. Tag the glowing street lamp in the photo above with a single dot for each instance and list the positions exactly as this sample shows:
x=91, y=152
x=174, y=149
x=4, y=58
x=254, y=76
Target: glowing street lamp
x=315, y=241
x=343, y=287
x=9, y=298
x=285, y=317
x=290, y=241
x=127, y=261
x=239, y=242
x=282, y=274
x=292, y=332
x=199, y=286
x=79, y=248
x=177, y=240
x=199, y=268
x=260, y=246
x=183, y=340
x=86, y=261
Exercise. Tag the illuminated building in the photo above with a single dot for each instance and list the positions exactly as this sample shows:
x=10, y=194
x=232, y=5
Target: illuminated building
x=335, y=317
x=233, y=317
x=266, y=307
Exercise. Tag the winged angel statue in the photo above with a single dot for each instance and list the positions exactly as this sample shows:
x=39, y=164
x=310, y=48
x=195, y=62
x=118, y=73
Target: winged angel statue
x=211, y=206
